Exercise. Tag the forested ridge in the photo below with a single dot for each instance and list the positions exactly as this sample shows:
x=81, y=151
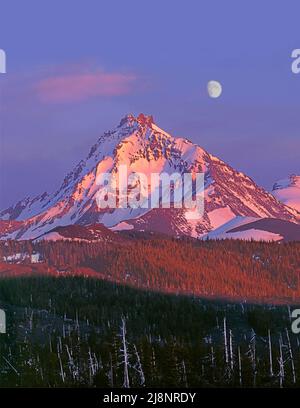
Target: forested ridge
x=231, y=269
x=72, y=331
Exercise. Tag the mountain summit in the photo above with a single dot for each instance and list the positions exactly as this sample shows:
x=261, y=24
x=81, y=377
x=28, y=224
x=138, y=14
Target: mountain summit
x=288, y=191
x=142, y=146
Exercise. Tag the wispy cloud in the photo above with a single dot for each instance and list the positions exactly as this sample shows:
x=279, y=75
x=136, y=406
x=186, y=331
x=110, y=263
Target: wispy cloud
x=78, y=86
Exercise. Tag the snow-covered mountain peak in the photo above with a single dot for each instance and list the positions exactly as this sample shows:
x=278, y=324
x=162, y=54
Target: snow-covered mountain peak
x=145, y=148
x=288, y=191
x=291, y=181
x=130, y=122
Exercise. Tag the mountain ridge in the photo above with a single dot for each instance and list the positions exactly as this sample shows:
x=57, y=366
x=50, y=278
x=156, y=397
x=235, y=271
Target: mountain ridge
x=288, y=191
x=144, y=147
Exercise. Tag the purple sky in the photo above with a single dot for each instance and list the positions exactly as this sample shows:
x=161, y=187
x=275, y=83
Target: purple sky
x=76, y=67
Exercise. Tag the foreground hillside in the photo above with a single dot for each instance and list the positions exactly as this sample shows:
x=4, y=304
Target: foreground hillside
x=229, y=269
x=70, y=331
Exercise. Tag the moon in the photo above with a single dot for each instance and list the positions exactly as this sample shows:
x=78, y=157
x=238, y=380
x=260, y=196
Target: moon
x=214, y=89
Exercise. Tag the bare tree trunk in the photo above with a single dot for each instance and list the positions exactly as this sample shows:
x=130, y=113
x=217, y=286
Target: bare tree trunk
x=59, y=344
x=111, y=372
x=72, y=367
x=50, y=344
x=212, y=357
x=139, y=366
x=281, y=363
x=291, y=356
x=289, y=313
x=126, y=383
x=62, y=374
x=243, y=309
x=225, y=341
x=253, y=355
x=231, y=350
x=31, y=321
x=91, y=363
x=11, y=366
x=184, y=374
x=240, y=366
x=270, y=355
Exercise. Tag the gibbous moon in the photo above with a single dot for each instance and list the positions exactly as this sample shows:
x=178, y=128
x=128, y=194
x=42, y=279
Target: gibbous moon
x=214, y=89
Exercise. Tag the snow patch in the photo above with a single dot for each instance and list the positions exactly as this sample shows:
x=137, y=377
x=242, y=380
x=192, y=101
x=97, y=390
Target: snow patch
x=122, y=226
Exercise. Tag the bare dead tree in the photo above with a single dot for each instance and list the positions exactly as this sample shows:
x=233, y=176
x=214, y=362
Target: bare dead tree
x=31, y=321
x=10, y=365
x=289, y=313
x=281, y=364
x=92, y=367
x=225, y=340
x=270, y=355
x=212, y=355
x=62, y=373
x=252, y=353
x=240, y=366
x=291, y=356
x=138, y=366
x=125, y=354
x=50, y=344
x=59, y=344
x=111, y=372
x=71, y=364
x=231, y=350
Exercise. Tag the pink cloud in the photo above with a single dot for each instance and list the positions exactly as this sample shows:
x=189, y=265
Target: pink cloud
x=77, y=87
